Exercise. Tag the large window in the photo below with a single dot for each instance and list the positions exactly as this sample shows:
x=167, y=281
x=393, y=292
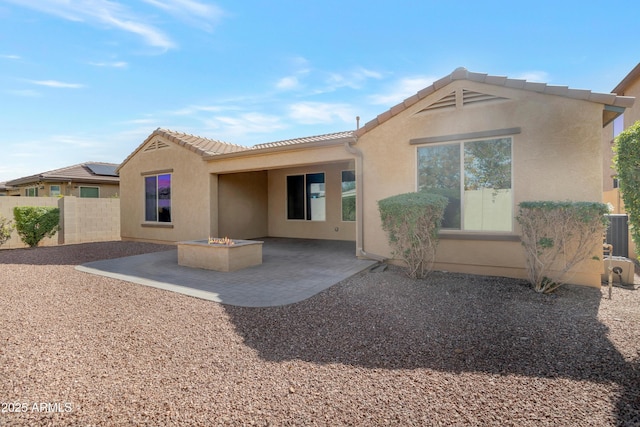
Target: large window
x=476, y=178
x=54, y=190
x=157, y=189
x=31, y=192
x=305, y=197
x=348, y=195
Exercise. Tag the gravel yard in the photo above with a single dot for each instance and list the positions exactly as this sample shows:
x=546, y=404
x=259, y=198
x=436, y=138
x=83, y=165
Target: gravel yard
x=376, y=349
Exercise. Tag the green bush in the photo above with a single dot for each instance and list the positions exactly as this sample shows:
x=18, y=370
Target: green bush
x=34, y=223
x=6, y=227
x=412, y=222
x=558, y=236
x=627, y=164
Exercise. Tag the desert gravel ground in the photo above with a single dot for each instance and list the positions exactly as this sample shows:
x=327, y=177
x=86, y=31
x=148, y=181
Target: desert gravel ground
x=377, y=349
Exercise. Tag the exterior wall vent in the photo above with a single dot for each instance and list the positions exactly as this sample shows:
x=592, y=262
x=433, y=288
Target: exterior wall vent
x=156, y=145
x=471, y=97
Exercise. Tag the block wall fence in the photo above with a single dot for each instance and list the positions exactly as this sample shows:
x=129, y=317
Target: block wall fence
x=82, y=220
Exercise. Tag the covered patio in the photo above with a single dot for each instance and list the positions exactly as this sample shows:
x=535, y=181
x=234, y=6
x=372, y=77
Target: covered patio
x=292, y=270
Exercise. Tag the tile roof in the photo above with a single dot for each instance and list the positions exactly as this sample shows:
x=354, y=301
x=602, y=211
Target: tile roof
x=463, y=74
x=308, y=139
x=197, y=144
x=76, y=173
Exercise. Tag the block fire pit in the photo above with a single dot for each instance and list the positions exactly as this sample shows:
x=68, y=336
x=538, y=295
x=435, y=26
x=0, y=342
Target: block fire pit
x=220, y=254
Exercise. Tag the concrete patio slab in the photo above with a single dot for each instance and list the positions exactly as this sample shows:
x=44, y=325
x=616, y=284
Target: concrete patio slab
x=292, y=270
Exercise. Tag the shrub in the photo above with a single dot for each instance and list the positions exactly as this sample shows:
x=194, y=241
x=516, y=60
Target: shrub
x=412, y=221
x=6, y=227
x=627, y=164
x=35, y=223
x=558, y=236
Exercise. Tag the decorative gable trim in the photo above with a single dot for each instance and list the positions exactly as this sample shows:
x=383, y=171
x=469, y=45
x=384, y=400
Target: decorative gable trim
x=460, y=98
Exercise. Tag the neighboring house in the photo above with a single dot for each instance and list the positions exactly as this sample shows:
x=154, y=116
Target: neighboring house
x=4, y=189
x=487, y=142
x=629, y=86
x=90, y=179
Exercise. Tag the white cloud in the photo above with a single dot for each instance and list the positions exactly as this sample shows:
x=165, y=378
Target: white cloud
x=320, y=112
x=15, y=57
x=288, y=83
x=230, y=127
x=402, y=89
x=354, y=79
x=102, y=13
x=202, y=15
x=533, y=76
x=115, y=64
x=56, y=84
x=28, y=93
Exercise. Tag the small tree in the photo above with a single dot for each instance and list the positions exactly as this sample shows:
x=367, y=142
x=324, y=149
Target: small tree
x=35, y=223
x=6, y=227
x=412, y=221
x=557, y=236
x=627, y=164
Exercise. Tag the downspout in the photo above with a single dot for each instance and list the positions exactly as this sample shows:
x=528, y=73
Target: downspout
x=359, y=202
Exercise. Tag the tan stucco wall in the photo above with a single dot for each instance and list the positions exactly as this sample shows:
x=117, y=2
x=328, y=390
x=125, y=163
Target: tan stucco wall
x=242, y=200
x=190, y=190
x=332, y=228
x=81, y=220
x=556, y=156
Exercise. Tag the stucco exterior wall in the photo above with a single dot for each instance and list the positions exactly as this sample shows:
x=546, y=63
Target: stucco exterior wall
x=556, y=155
x=190, y=194
x=243, y=209
x=81, y=220
x=332, y=228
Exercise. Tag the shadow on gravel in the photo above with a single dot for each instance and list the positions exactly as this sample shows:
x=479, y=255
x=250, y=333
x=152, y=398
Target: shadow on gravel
x=449, y=322
x=79, y=253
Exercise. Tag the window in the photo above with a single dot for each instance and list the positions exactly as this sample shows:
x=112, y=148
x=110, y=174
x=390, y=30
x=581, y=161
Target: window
x=305, y=197
x=618, y=125
x=92, y=192
x=348, y=195
x=476, y=178
x=31, y=192
x=54, y=190
x=157, y=189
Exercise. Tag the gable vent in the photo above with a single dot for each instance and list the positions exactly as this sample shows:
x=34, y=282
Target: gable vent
x=448, y=101
x=156, y=145
x=471, y=97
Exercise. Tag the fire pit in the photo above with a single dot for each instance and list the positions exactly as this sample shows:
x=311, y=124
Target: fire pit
x=220, y=254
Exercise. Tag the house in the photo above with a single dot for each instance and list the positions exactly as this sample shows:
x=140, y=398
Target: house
x=629, y=86
x=543, y=141
x=89, y=179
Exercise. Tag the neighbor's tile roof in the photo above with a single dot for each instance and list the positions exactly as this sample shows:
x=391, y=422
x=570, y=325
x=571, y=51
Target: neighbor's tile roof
x=463, y=74
x=76, y=173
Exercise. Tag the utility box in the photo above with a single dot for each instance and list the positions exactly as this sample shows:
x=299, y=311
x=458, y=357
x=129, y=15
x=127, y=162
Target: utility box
x=627, y=266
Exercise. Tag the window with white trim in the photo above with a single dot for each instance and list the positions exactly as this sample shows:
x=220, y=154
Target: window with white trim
x=31, y=192
x=157, y=193
x=476, y=177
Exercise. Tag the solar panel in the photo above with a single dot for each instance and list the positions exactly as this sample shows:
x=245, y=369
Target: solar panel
x=102, y=170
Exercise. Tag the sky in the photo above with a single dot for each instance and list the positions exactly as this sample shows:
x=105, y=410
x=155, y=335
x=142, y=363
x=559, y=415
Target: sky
x=89, y=80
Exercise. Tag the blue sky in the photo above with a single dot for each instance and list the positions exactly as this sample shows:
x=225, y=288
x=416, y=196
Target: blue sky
x=89, y=80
